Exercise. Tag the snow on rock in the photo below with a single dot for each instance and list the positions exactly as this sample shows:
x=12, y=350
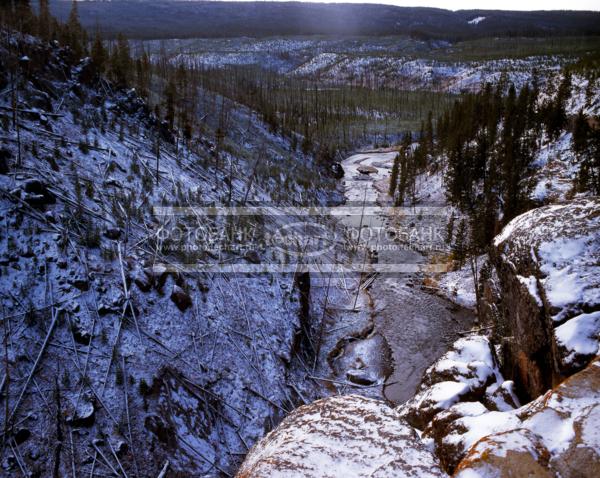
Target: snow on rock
x=515, y=453
x=463, y=373
x=501, y=396
x=557, y=169
x=555, y=435
x=547, y=263
x=464, y=432
x=555, y=432
x=343, y=436
x=584, y=96
x=579, y=338
x=426, y=404
x=470, y=361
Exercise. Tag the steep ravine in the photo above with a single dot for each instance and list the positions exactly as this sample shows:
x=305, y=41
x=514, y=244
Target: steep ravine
x=396, y=327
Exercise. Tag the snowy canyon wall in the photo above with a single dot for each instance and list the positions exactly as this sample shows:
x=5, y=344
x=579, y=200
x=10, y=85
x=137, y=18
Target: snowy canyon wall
x=543, y=295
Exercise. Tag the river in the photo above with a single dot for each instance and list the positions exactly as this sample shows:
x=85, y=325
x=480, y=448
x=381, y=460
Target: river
x=382, y=330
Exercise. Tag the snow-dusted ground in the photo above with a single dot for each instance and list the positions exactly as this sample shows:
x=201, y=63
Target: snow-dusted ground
x=186, y=368
x=458, y=285
x=419, y=74
x=394, y=62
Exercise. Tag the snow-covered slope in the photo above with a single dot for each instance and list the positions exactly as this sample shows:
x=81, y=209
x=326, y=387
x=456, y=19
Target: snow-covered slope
x=130, y=365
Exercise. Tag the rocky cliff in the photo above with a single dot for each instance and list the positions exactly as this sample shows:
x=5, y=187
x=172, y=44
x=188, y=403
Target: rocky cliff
x=543, y=295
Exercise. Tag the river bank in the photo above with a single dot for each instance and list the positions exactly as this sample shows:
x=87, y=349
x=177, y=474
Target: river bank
x=390, y=328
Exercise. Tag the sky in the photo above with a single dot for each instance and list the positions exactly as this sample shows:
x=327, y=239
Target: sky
x=490, y=4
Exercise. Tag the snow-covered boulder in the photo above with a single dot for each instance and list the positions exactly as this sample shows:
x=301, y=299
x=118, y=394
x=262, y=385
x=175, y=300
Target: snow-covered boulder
x=463, y=374
x=513, y=453
x=547, y=270
x=343, y=436
x=555, y=435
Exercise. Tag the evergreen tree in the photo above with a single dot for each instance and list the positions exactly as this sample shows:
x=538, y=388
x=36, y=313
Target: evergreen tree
x=98, y=54
x=556, y=116
x=581, y=133
x=405, y=170
x=586, y=146
x=394, y=175
x=429, y=131
x=44, y=21
x=169, y=99
x=460, y=246
x=450, y=228
x=120, y=62
x=24, y=15
x=73, y=33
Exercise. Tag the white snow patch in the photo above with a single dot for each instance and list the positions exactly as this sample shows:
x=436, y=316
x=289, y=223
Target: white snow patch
x=579, y=335
x=458, y=286
x=555, y=430
x=563, y=283
x=483, y=425
x=445, y=394
x=476, y=20
x=531, y=284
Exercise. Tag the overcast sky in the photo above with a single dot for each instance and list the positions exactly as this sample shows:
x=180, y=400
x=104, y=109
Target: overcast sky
x=490, y=4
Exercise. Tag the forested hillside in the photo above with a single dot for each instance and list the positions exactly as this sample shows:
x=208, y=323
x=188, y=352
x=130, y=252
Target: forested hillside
x=493, y=147
x=185, y=19
x=111, y=364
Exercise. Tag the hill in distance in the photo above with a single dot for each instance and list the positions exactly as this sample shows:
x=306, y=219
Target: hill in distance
x=187, y=19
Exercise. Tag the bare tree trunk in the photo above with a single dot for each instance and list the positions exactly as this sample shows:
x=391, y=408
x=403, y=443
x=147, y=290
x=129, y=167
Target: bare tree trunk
x=157, y=160
x=475, y=274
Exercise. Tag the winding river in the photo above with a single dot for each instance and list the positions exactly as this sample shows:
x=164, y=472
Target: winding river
x=393, y=328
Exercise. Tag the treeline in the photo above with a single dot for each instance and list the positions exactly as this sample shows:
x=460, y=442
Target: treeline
x=192, y=19
x=324, y=118
x=489, y=141
x=20, y=16
x=172, y=93
x=317, y=119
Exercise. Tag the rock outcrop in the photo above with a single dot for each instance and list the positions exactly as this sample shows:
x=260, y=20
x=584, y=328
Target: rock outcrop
x=555, y=435
x=459, y=389
x=543, y=295
x=342, y=436
x=468, y=372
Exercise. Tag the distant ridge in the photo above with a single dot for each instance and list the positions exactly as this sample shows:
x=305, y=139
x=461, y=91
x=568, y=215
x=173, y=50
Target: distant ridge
x=185, y=19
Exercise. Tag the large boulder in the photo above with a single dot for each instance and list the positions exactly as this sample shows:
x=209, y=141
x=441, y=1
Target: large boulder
x=555, y=435
x=513, y=453
x=465, y=373
x=546, y=311
x=342, y=436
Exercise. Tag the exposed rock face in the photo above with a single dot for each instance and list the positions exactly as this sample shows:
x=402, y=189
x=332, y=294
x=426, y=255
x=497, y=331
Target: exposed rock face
x=556, y=434
x=544, y=294
x=342, y=436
